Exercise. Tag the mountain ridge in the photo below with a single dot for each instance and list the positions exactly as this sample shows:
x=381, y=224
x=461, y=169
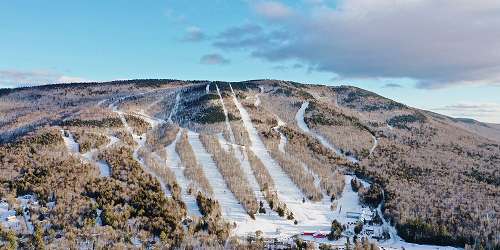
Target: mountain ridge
x=415, y=167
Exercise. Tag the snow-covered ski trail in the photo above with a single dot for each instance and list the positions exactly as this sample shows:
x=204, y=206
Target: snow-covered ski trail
x=72, y=146
x=230, y=130
x=299, y=117
x=283, y=139
x=174, y=162
x=231, y=208
x=308, y=214
x=141, y=142
x=207, y=88
x=101, y=102
x=257, y=96
x=174, y=109
x=269, y=223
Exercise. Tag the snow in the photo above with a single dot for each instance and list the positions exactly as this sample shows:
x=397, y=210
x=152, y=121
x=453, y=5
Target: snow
x=207, y=88
x=230, y=130
x=73, y=147
x=257, y=98
x=141, y=139
x=26, y=201
x=153, y=121
x=299, y=117
x=231, y=208
x=174, y=162
x=112, y=140
x=101, y=102
x=283, y=139
x=8, y=217
x=310, y=215
x=70, y=142
x=174, y=109
x=104, y=168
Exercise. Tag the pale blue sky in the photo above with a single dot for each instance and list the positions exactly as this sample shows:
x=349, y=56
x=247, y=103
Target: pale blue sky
x=354, y=42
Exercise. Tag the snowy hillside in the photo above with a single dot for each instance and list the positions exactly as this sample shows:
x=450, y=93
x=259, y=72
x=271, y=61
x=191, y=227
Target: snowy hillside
x=166, y=163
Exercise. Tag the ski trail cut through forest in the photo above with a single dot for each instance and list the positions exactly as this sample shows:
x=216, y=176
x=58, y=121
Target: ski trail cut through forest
x=283, y=139
x=174, y=109
x=230, y=130
x=72, y=146
x=287, y=191
x=141, y=142
x=230, y=206
x=174, y=162
x=257, y=96
x=299, y=117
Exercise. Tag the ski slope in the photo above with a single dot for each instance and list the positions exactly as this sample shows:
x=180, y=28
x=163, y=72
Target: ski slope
x=174, y=162
x=174, y=109
x=228, y=126
x=70, y=142
x=231, y=208
x=310, y=215
x=283, y=139
x=299, y=117
x=257, y=97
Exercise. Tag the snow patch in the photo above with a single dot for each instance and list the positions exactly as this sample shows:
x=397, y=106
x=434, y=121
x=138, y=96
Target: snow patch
x=104, y=168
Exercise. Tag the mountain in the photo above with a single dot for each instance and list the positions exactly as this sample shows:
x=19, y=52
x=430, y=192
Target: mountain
x=487, y=130
x=252, y=164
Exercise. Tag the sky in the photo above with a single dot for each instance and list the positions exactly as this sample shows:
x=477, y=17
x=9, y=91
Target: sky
x=438, y=55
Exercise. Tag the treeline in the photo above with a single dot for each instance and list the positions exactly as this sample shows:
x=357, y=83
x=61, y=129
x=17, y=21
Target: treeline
x=138, y=125
x=112, y=122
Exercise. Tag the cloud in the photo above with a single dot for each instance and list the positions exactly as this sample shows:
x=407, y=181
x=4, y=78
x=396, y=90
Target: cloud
x=437, y=43
x=10, y=78
x=193, y=34
x=392, y=85
x=279, y=68
x=488, y=112
x=272, y=10
x=297, y=66
x=213, y=59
